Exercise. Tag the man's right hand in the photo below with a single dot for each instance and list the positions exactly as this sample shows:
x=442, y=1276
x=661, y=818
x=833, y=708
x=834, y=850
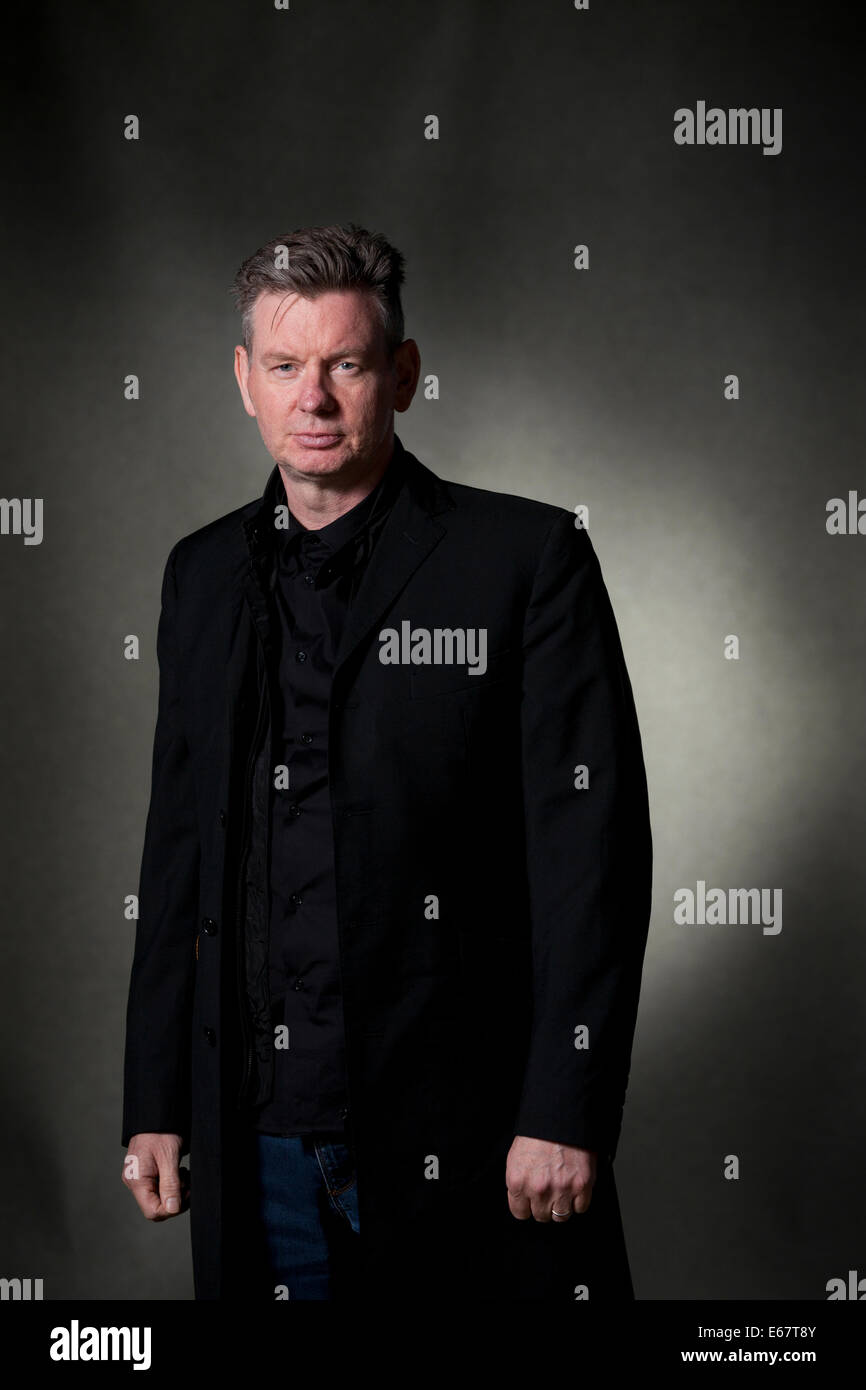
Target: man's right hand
x=153, y=1175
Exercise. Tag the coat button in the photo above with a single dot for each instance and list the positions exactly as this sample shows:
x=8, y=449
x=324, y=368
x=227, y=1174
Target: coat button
x=210, y=1034
x=295, y=901
x=300, y=656
x=306, y=738
x=209, y=926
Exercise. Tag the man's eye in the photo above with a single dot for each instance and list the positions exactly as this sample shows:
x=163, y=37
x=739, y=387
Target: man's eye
x=286, y=366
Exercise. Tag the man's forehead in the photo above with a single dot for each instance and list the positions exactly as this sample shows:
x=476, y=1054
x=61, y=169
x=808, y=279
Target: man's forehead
x=278, y=314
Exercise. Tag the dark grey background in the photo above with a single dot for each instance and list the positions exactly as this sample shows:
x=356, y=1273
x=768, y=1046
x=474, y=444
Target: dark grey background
x=602, y=387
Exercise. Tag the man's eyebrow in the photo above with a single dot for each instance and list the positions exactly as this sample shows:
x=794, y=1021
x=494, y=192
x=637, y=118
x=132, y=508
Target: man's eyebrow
x=332, y=357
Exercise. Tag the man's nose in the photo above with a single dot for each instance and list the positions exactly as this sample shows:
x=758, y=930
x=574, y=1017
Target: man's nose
x=315, y=392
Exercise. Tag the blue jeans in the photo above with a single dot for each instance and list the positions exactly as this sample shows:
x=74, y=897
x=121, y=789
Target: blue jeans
x=308, y=1207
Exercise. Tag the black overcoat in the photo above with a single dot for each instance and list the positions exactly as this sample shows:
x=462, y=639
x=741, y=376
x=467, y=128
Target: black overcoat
x=493, y=897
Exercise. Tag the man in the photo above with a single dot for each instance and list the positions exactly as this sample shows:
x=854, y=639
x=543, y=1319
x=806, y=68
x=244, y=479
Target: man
x=396, y=879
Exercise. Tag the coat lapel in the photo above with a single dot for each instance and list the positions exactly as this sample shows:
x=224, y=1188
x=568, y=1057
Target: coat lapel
x=408, y=536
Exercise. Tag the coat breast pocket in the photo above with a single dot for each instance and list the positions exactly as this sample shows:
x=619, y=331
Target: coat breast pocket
x=428, y=682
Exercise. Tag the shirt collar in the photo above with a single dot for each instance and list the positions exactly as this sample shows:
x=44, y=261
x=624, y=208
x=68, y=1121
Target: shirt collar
x=337, y=534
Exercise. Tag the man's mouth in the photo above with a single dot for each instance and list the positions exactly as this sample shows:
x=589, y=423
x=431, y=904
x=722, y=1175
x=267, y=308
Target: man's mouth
x=318, y=439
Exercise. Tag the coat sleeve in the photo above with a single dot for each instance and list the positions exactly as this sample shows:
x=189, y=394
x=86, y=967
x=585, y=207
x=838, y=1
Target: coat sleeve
x=159, y=1009
x=589, y=851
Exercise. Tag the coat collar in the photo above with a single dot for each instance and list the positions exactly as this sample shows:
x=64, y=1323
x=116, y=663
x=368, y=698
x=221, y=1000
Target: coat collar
x=412, y=529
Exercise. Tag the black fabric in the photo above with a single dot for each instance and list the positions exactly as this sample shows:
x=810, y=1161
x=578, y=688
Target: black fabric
x=315, y=574
x=487, y=906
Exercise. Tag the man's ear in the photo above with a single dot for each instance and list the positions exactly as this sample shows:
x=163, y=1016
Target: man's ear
x=242, y=373
x=407, y=365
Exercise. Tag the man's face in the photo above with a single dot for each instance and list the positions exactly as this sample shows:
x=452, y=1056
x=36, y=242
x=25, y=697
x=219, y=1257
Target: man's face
x=320, y=385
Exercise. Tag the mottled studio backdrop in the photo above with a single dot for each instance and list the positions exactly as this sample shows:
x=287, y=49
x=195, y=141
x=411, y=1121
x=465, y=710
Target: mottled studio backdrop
x=693, y=377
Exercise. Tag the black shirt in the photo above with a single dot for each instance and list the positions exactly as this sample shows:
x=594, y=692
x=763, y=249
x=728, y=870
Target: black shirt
x=317, y=574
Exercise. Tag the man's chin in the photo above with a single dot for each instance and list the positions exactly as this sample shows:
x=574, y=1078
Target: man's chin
x=299, y=459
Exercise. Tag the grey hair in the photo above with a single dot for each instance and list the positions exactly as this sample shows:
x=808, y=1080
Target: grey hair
x=322, y=259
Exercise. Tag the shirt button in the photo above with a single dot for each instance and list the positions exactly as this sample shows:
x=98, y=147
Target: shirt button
x=299, y=983
x=293, y=808
x=295, y=901
x=309, y=579
x=300, y=656
x=306, y=738
x=343, y=1113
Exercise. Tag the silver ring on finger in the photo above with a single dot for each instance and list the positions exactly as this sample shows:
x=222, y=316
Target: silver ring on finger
x=560, y=1215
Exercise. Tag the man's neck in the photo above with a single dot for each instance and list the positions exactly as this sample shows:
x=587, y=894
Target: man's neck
x=315, y=502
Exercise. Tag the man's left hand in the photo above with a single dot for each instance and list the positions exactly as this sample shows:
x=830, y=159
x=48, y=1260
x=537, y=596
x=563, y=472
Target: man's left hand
x=548, y=1180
